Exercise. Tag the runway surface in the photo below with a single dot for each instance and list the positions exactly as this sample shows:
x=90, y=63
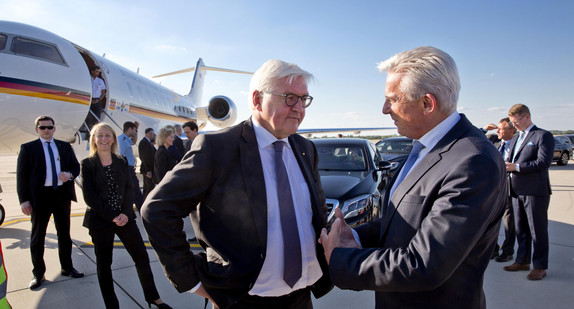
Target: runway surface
x=503, y=289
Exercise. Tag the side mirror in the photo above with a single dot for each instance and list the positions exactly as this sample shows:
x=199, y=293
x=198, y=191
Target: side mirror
x=385, y=165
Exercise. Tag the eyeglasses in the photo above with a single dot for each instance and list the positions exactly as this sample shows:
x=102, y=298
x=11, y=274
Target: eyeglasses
x=291, y=99
x=517, y=120
x=45, y=127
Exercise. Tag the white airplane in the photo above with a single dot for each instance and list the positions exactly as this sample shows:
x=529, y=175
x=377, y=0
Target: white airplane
x=44, y=74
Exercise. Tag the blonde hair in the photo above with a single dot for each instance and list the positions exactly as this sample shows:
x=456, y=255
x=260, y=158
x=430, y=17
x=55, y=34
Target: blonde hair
x=94, y=131
x=164, y=133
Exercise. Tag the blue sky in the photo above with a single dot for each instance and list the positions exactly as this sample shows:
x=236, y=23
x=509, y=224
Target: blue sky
x=507, y=52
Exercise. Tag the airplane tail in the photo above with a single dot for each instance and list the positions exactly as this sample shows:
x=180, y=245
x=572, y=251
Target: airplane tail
x=196, y=91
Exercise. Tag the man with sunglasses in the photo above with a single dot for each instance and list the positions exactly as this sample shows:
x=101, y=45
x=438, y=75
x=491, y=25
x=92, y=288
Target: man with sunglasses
x=254, y=196
x=45, y=173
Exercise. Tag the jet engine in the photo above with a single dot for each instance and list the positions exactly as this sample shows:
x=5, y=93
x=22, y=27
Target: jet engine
x=221, y=112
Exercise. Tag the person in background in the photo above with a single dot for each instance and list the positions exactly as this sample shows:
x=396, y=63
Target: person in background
x=164, y=161
x=173, y=150
x=531, y=154
x=190, y=129
x=45, y=172
x=432, y=246
x=177, y=141
x=254, y=195
x=147, y=156
x=108, y=192
x=125, y=141
x=98, y=95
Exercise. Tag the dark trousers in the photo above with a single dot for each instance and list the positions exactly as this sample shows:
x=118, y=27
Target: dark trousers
x=531, y=221
x=50, y=202
x=138, y=196
x=300, y=299
x=130, y=236
x=148, y=185
x=509, y=230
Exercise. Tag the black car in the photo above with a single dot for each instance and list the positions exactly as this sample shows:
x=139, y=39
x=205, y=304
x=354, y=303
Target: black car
x=353, y=177
x=562, y=152
x=395, y=150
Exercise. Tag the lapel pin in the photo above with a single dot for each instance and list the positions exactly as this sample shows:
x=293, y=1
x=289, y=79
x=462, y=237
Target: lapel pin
x=303, y=153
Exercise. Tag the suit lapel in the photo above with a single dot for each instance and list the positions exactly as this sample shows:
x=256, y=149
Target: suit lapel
x=42, y=159
x=429, y=160
x=254, y=179
x=524, y=142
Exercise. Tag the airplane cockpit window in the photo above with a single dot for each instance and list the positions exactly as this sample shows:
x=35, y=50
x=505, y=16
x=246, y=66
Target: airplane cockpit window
x=27, y=47
x=2, y=41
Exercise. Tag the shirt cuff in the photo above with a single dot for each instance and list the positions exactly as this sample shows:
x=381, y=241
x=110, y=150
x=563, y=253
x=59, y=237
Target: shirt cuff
x=357, y=239
x=518, y=167
x=195, y=288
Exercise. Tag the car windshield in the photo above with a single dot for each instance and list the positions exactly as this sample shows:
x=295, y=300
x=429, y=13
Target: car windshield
x=341, y=158
x=395, y=146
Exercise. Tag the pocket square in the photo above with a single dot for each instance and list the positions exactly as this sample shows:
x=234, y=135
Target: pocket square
x=530, y=144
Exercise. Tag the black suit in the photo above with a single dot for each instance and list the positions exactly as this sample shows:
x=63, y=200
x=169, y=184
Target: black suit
x=45, y=201
x=530, y=190
x=99, y=220
x=147, y=155
x=164, y=162
x=220, y=184
x=178, y=143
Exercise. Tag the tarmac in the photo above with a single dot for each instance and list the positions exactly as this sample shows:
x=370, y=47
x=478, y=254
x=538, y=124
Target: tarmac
x=502, y=289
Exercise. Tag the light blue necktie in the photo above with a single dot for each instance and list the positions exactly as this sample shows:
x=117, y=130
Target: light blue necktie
x=518, y=144
x=413, y=156
x=291, y=242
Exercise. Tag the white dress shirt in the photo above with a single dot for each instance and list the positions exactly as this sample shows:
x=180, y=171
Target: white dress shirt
x=48, y=182
x=270, y=280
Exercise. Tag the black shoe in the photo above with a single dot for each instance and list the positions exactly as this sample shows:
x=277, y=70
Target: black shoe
x=72, y=273
x=494, y=255
x=36, y=282
x=503, y=258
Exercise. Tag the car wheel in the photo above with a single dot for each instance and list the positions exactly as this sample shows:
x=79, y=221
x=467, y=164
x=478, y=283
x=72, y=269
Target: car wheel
x=564, y=159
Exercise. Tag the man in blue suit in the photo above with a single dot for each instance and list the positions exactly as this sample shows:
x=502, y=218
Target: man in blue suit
x=432, y=246
x=532, y=152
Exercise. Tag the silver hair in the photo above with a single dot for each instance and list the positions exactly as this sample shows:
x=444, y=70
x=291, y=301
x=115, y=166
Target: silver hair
x=163, y=134
x=272, y=71
x=426, y=70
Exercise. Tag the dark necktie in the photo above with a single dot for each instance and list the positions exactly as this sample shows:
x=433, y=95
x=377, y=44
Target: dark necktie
x=53, y=164
x=291, y=243
x=502, y=149
x=412, y=158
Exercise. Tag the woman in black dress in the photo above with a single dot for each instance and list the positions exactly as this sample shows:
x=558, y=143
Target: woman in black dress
x=108, y=192
x=164, y=161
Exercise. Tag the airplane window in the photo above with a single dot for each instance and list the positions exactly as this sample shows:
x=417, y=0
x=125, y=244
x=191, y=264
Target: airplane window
x=2, y=41
x=36, y=49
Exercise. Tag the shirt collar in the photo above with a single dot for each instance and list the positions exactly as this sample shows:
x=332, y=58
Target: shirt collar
x=528, y=129
x=264, y=137
x=432, y=137
x=46, y=141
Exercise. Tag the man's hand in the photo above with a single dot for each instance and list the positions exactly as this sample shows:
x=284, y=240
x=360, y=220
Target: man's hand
x=148, y=175
x=490, y=126
x=65, y=176
x=121, y=220
x=26, y=208
x=340, y=236
x=203, y=293
x=510, y=167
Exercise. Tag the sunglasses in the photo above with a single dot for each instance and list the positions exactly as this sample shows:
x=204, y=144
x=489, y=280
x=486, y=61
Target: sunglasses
x=45, y=127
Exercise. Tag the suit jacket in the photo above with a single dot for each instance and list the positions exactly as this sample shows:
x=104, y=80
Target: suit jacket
x=534, y=158
x=163, y=163
x=432, y=246
x=147, y=155
x=96, y=192
x=31, y=170
x=220, y=184
x=178, y=143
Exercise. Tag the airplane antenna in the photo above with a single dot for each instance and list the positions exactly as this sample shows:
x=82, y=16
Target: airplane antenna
x=104, y=55
x=138, y=71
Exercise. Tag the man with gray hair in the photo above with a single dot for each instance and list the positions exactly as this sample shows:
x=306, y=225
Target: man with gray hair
x=254, y=196
x=432, y=245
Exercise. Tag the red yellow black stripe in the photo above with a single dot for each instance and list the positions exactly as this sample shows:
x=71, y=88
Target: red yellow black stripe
x=41, y=90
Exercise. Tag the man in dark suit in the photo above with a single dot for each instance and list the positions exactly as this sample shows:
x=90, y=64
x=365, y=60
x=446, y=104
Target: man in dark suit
x=147, y=155
x=532, y=151
x=177, y=141
x=190, y=129
x=432, y=246
x=256, y=204
x=45, y=173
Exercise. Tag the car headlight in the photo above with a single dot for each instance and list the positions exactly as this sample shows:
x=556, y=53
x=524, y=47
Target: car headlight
x=356, y=206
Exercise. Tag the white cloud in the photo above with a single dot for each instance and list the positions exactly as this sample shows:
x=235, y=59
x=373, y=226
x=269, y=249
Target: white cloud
x=497, y=108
